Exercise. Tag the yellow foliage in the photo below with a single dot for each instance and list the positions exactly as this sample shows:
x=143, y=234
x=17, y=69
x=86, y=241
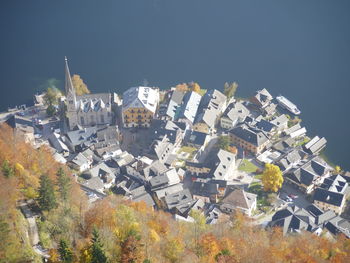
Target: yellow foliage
x=19, y=169
x=272, y=178
x=154, y=236
x=79, y=85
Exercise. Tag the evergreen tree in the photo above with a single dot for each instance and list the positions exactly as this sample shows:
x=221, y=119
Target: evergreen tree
x=97, y=253
x=63, y=182
x=47, y=198
x=66, y=253
x=7, y=170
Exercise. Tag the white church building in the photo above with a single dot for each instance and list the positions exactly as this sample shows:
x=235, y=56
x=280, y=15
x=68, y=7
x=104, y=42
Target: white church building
x=89, y=109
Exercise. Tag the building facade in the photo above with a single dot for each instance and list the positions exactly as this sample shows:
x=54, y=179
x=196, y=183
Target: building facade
x=139, y=106
x=86, y=110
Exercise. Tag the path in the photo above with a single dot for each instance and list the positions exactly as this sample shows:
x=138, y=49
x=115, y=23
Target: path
x=33, y=230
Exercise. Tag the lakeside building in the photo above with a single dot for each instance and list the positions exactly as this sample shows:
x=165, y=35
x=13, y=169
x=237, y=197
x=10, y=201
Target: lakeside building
x=139, y=106
x=86, y=110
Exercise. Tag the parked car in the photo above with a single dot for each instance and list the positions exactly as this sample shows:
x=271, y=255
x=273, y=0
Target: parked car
x=287, y=199
x=292, y=196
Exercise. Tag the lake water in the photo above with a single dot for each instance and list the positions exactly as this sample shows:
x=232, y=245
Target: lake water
x=300, y=49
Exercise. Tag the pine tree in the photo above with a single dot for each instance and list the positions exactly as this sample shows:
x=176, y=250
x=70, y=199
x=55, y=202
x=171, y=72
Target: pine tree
x=63, y=182
x=7, y=170
x=97, y=253
x=47, y=198
x=66, y=253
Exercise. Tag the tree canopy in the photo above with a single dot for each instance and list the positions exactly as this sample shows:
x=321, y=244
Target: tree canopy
x=272, y=178
x=47, y=197
x=79, y=85
x=230, y=89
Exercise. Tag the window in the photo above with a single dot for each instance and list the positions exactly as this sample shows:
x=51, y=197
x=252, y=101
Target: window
x=82, y=121
x=70, y=102
x=102, y=118
x=92, y=118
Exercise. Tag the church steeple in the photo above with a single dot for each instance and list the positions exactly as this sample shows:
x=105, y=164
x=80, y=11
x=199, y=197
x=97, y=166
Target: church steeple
x=70, y=92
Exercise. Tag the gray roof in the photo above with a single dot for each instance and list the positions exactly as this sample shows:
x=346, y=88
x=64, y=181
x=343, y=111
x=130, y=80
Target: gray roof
x=280, y=120
x=174, y=103
x=263, y=96
x=293, y=219
x=309, y=171
x=238, y=198
x=237, y=111
x=329, y=197
x=78, y=137
x=197, y=138
x=168, y=190
x=78, y=159
x=292, y=129
x=204, y=189
x=95, y=183
x=250, y=134
x=189, y=106
x=137, y=97
x=210, y=107
x=179, y=199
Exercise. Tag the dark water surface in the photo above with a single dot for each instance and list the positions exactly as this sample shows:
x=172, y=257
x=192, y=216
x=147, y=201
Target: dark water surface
x=298, y=48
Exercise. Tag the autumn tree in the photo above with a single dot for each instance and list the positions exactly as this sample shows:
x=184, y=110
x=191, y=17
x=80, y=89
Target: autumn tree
x=131, y=249
x=52, y=92
x=173, y=249
x=97, y=253
x=196, y=87
x=337, y=169
x=79, y=85
x=65, y=252
x=182, y=87
x=64, y=184
x=7, y=170
x=47, y=197
x=272, y=178
x=224, y=143
x=230, y=89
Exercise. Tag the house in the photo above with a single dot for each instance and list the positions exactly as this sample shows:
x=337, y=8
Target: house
x=238, y=199
x=281, y=123
x=308, y=174
x=292, y=129
x=315, y=145
x=174, y=104
x=269, y=110
x=284, y=145
x=180, y=202
x=80, y=139
x=262, y=98
x=141, y=195
x=205, y=191
x=174, y=131
x=331, y=194
x=189, y=107
x=139, y=106
x=161, y=149
x=298, y=133
x=163, y=180
x=57, y=143
x=105, y=173
x=210, y=109
x=290, y=159
x=88, y=109
x=235, y=113
x=249, y=138
x=79, y=162
x=219, y=165
x=22, y=126
x=94, y=184
x=197, y=139
x=294, y=219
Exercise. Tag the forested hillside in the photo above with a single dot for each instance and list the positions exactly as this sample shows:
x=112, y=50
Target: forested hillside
x=115, y=230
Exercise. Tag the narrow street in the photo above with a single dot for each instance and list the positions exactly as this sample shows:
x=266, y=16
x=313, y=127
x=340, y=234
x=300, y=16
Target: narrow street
x=33, y=230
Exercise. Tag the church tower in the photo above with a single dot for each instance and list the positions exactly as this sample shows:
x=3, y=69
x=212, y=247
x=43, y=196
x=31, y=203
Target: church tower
x=70, y=93
x=71, y=98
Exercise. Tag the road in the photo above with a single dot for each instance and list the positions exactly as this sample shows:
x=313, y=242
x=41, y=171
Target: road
x=33, y=230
